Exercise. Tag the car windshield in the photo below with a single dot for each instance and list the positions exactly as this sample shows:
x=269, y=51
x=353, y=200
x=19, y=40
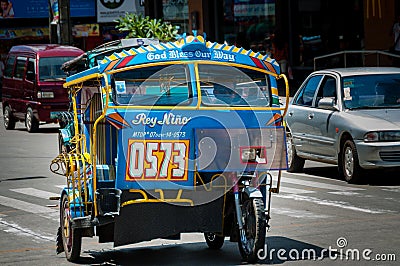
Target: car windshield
x=50, y=68
x=371, y=91
x=223, y=85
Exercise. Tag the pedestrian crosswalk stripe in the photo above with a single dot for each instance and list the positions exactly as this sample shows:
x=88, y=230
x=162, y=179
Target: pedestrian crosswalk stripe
x=317, y=184
x=35, y=192
x=25, y=206
x=294, y=190
x=344, y=193
x=296, y=213
x=332, y=203
x=19, y=230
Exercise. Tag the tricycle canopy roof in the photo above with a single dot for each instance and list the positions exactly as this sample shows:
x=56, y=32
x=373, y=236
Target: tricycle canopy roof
x=188, y=48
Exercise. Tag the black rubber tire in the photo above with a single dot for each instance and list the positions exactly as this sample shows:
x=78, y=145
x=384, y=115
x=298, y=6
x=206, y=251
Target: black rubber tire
x=255, y=228
x=214, y=241
x=71, y=238
x=295, y=163
x=9, y=121
x=31, y=123
x=350, y=167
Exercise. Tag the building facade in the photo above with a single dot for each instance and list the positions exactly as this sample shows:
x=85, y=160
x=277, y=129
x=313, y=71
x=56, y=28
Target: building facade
x=309, y=27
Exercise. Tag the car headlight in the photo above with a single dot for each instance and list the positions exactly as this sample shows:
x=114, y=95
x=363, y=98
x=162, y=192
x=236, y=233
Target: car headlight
x=382, y=136
x=45, y=94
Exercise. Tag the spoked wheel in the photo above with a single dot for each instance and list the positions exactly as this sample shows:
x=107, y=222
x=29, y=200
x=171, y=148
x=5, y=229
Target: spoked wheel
x=350, y=167
x=252, y=238
x=214, y=241
x=71, y=238
x=9, y=121
x=31, y=123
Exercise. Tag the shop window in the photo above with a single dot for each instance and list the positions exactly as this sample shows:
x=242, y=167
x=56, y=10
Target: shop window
x=177, y=13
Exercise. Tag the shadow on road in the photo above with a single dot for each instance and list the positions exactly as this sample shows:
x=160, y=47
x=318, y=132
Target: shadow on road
x=283, y=249
x=199, y=254
x=24, y=178
x=42, y=130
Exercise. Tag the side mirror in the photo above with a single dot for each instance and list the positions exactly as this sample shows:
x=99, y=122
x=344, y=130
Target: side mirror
x=327, y=103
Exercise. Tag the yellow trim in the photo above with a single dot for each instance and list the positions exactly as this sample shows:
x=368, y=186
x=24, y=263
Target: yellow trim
x=205, y=62
x=209, y=189
x=80, y=80
x=287, y=94
x=199, y=106
x=226, y=108
x=105, y=90
x=196, y=72
x=146, y=199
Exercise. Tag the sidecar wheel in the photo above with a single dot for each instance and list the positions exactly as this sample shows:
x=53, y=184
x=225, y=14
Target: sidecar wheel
x=254, y=229
x=71, y=238
x=213, y=240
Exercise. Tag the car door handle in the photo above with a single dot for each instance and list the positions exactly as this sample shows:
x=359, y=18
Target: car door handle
x=310, y=115
x=290, y=113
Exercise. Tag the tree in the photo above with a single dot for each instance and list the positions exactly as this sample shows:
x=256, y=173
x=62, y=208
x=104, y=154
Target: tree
x=138, y=26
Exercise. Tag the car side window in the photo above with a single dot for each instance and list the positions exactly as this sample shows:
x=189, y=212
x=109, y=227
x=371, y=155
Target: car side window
x=327, y=89
x=307, y=92
x=9, y=67
x=20, y=67
x=30, y=71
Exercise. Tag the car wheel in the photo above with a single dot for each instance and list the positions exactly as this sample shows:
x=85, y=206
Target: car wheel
x=9, y=121
x=350, y=167
x=31, y=123
x=295, y=163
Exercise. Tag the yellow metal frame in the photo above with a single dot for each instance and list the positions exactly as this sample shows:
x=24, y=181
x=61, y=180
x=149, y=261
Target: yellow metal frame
x=75, y=161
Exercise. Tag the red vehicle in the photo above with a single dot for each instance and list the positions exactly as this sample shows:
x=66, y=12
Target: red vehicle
x=32, y=85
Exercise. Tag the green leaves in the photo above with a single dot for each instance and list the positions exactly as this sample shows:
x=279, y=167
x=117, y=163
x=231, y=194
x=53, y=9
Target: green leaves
x=138, y=26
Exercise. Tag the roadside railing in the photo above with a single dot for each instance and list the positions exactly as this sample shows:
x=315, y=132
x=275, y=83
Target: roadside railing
x=356, y=58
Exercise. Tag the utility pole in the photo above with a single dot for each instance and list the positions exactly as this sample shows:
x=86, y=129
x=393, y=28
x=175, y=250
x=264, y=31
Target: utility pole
x=65, y=22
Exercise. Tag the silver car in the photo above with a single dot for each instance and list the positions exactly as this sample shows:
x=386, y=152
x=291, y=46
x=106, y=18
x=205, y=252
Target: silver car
x=346, y=116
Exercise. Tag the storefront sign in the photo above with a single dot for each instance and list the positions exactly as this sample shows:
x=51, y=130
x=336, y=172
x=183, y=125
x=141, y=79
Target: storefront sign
x=24, y=32
x=40, y=8
x=85, y=30
x=110, y=10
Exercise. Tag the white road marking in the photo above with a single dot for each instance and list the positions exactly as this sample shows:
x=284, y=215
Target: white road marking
x=318, y=184
x=24, y=206
x=35, y=192
x=299, y=213
x=392, y=189
x=332, y=203
x=344, y=193
x=18, y=230
x=294, y=190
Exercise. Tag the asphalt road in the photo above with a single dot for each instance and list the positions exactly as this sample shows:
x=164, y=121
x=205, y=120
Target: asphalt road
x=317, y=219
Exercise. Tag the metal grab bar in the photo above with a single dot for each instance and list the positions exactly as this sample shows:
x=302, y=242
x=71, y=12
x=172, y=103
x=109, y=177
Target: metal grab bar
x=364, y=53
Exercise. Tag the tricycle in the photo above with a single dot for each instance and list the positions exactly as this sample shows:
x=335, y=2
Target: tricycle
x=170, y=138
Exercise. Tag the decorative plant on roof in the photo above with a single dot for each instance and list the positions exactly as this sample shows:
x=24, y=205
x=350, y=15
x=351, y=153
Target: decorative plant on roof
x=138, y=26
